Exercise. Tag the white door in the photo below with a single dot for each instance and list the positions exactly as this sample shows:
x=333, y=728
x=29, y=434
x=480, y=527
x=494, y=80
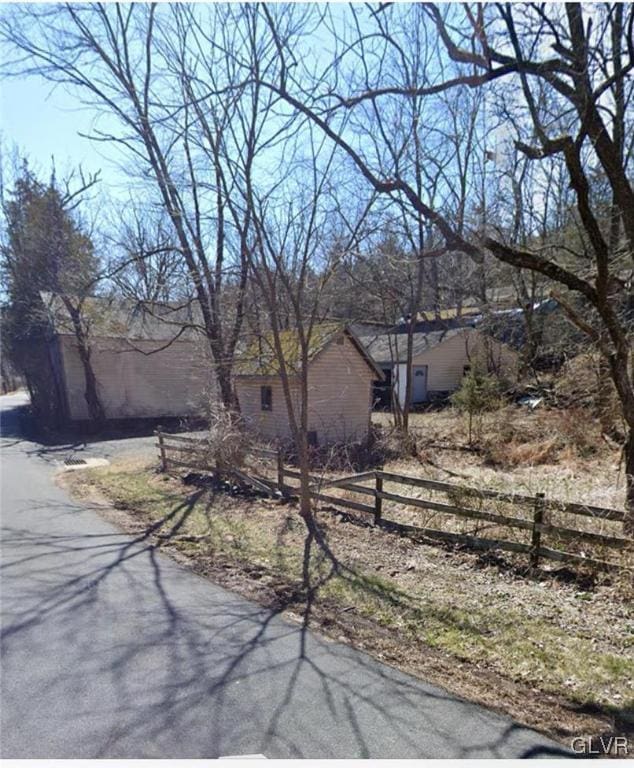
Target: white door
x=419, y=384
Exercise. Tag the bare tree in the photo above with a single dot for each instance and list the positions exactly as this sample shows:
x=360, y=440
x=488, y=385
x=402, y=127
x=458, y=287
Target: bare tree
x=147, y=265
x=138, y=65
x=298, y=241
x=432, y=150
x=553, y=61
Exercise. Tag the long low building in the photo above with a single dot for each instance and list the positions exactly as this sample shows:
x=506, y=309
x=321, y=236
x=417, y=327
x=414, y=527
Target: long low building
x=148, y=361
x=440, y=360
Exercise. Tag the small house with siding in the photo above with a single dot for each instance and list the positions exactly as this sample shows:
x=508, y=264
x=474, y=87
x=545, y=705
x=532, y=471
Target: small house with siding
x=340, y=380
x=440, y=359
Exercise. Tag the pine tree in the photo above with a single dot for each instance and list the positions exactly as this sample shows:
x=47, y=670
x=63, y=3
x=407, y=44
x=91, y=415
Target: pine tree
x=44, y=249
x=478, y=393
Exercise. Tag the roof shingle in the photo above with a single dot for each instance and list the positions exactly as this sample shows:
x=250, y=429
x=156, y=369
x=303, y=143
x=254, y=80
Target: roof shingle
x=392, y=347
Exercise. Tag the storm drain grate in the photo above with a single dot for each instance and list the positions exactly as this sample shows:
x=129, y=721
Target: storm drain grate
x=74, y=462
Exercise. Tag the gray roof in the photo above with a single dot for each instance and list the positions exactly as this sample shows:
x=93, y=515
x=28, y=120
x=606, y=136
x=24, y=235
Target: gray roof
x=369, y=328
x=392, y=347
x=108, y=317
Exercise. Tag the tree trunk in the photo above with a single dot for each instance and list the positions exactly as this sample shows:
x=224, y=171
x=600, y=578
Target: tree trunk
x=305, y=506
x=223, y=377
x=406, y=406
x=91, y=394
x=95, y=408
x=605, y=391
x=628, y=520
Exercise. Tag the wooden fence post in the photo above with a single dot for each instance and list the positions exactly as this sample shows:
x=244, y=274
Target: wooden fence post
x=159, y=434
x=378, y=501
x=280, y=472
x=538, y=519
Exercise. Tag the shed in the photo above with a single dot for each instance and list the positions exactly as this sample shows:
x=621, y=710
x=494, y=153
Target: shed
x=440, y=359
x=340, y=379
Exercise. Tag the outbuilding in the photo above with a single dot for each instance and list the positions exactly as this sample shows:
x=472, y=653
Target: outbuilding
x=149, y=360
x=340, y=380
x=440, y=360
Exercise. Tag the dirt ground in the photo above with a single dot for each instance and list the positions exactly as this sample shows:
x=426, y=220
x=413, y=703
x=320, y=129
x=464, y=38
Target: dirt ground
x=554, y=652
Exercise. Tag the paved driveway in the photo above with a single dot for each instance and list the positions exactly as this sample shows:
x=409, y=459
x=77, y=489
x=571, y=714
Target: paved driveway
x=111, y=650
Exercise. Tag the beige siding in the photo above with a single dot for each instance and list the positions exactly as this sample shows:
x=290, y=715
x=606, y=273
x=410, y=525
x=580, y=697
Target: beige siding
x=273, y=424
x=445, y=362
x=340, y=394
x=339, y=398
x=170, y=382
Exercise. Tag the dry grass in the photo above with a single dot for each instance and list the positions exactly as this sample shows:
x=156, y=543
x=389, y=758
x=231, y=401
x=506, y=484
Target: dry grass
x=538, y=650
x=545, y=437
x=565, y=447
x=559, y=453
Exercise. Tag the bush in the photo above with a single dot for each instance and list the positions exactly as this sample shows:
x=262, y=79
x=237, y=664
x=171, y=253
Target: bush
x=228, y=441
x=585, y=383
x=380, y=446
x=478, y=393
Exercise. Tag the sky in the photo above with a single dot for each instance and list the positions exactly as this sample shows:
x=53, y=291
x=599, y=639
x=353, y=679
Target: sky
x=42, y=120
x=41, y=123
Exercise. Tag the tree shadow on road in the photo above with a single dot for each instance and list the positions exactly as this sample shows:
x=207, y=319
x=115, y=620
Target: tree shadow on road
x=194, y=671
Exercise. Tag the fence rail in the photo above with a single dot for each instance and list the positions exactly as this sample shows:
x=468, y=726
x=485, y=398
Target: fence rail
x=515, y=498
x=191, y=454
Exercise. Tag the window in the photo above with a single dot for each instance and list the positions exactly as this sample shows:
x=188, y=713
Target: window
x=266, y=398
x=311, y=437
x=466, y=370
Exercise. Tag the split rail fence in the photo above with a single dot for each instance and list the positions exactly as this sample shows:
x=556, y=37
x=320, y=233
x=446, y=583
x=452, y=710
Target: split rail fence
x=539, y=517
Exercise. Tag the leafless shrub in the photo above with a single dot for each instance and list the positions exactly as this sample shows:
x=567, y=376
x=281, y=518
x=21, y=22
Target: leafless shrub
x=228, y=442
x=380, y=446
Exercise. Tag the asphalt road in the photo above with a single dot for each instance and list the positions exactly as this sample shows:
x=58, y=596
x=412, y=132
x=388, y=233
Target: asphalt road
x=111, y=650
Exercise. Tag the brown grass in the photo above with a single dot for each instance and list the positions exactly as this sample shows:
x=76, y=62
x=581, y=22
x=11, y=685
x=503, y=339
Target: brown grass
x=575, y=463
x=559, y=453
x=545, y=437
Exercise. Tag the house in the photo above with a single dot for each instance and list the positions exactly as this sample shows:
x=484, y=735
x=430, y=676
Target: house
x=149, y=361
x=340, y=379
x=439, y=358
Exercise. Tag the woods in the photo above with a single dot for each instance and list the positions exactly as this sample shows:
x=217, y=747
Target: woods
x=383, y=163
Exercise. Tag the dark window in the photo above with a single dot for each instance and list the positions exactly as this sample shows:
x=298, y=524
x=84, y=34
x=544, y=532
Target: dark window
x=266, y=398
x=340, y=340
x=382, y=390
x=466, y=370
x=312, y=437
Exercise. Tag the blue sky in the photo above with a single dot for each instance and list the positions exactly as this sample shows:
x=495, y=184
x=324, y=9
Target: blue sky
x=42, y=120
x=41, y=123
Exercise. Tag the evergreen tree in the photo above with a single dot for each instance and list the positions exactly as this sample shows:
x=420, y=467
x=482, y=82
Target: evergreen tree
x=478, y=393
x=44, y=249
